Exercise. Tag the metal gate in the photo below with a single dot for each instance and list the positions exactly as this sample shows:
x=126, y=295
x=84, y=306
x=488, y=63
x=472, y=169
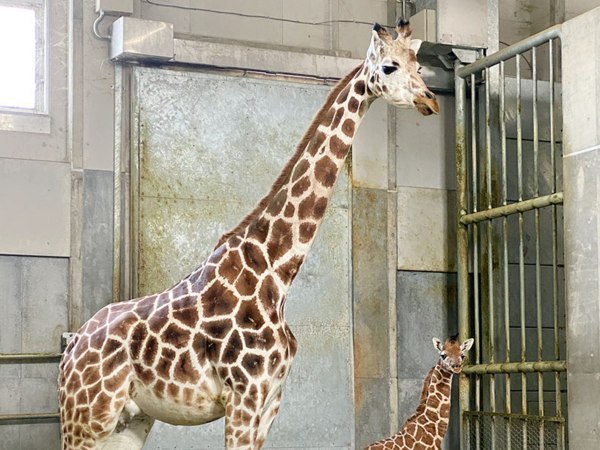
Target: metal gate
x=510, y=253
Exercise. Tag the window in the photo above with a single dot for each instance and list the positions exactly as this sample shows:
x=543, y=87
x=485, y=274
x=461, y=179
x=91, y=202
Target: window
x=22, y=56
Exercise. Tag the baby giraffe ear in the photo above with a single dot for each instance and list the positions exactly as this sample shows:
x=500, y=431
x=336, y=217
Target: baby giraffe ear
x=437, y=344
x=466, y=346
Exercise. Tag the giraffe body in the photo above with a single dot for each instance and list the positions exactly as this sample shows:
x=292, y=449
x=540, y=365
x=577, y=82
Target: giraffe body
x=426, y=428
x=217, y=343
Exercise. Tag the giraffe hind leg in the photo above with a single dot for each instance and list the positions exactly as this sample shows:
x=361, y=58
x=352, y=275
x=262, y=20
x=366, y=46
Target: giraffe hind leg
x=131, y=431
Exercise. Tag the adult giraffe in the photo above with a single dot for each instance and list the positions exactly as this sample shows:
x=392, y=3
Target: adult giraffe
x=217, y=344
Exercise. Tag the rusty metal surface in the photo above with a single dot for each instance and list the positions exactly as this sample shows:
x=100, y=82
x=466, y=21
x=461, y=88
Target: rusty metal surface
x=208, y=147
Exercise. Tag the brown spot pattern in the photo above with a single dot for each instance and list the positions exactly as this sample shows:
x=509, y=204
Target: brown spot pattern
x=338, y=118
x=326, y=171
x=348, y=127
x=259, y=230
x=254, y=257
x=249, y=316
x=307, y=231
x=300, y=169
x=300, y=187
x=338, y=147
x=218, y=300
x=281, y=240
x=176, y=336
x=246, y=283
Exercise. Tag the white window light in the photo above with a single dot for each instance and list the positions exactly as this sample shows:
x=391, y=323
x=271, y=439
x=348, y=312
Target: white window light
x=22, y=56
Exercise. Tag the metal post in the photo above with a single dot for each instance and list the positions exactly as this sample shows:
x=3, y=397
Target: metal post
x=462, y=241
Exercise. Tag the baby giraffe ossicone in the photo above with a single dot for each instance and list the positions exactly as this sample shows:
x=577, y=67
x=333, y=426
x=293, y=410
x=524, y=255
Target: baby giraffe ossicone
x=426, y=428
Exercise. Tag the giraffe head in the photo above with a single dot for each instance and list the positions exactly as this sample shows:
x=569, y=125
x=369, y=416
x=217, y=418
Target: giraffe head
x=393, y=70
x=452, y=352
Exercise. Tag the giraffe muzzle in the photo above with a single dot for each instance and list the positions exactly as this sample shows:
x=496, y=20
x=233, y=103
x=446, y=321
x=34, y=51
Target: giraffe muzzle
x=427, y=104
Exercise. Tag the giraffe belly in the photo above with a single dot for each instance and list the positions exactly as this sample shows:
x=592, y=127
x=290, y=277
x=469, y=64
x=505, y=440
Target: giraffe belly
x=199, y=407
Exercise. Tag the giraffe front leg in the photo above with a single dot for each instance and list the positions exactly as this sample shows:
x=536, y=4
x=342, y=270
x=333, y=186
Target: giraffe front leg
x=267, y=418
x=248, y=417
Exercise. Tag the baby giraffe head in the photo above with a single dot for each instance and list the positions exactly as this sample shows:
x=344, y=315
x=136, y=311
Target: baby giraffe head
x=393, y=70
x=452, y=352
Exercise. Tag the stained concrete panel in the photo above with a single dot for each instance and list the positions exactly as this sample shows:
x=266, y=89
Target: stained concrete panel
x=97, y=255
x=425, y=153
x=199, y=175
x=372, y=406
x=371, y=311
x=581, y=83
x=370, y=149
x=426, y=229
x=36, y=196
x=582, y=263
x=426, y=308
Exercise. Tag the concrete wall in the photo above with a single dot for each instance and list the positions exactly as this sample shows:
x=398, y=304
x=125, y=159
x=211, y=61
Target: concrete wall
x=581, y=97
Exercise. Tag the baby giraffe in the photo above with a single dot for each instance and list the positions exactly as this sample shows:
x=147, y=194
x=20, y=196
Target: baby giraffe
x=426, y=428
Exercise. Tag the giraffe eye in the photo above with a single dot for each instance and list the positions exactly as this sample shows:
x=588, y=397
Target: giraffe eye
x=389, y=69
x=443, y=356
x=419, y=70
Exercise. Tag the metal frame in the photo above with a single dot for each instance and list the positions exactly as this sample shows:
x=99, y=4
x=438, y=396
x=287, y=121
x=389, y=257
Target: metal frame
x=482, y=241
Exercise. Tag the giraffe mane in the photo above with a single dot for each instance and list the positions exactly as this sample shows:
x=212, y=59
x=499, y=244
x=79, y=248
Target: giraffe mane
x=287, y=169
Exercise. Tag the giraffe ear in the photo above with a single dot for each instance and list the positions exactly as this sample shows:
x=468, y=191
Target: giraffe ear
x=381, y=32
x=415, y=45
x=438, y=344
x=403, y=29
x=466, y=346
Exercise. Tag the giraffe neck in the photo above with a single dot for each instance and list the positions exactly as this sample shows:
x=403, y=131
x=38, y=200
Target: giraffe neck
x=285, y=228
x=435, y=397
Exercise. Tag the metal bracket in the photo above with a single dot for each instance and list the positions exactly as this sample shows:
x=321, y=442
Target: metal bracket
x=65, y=339
x=466, y=55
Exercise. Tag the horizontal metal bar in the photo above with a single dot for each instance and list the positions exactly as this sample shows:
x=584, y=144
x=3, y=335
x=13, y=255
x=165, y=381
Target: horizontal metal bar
x=25, y=357
x=510, y=52
x=516, y=367
x=25, y=417
x=513, y=208
x=511, y=416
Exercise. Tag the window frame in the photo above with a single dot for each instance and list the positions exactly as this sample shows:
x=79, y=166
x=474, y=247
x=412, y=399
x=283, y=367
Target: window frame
x=39, y=7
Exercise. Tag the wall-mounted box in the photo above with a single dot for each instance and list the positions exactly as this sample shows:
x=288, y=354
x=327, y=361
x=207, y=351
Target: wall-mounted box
x=135, y=39
x=115, y=7
x=460, y=23
x=423, y=25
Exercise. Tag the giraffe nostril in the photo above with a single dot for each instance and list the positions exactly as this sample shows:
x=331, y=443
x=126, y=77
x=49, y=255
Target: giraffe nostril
x=429, y=94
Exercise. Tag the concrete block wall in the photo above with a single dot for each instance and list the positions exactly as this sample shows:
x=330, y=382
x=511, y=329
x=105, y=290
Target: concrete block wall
x=581, y=165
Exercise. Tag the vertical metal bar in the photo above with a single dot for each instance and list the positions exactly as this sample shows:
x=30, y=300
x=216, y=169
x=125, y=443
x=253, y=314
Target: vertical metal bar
x=504, y=200
x=475, y=238
x=557, y=383
x=538, y=283
x=521, y=246
x=462, y=241
x=490, y=250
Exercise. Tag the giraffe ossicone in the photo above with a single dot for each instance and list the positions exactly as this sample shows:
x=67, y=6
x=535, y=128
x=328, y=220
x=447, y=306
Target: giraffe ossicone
x=426, y=428
x=217, y=343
